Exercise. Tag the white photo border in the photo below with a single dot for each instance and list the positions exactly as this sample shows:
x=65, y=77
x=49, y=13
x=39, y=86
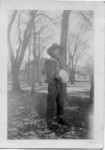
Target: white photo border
x=99, y=32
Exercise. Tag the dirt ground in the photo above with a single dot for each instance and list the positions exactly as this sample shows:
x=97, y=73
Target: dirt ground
x=27, y=117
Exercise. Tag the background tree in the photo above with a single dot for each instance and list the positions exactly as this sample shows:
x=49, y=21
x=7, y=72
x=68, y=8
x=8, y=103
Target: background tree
x=64, y=36
x=43, y=22
x=88, y=18
x=34, y=63
x=15, y=82
x=89, y=65
x=17, y=61
x=22, y=24
x=29, y=60
x=76, y=49
x=63, y=41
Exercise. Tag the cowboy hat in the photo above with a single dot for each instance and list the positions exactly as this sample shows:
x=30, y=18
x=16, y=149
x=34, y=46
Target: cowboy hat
x=51, y=49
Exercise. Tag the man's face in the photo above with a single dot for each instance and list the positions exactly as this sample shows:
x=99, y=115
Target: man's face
x=57, y=52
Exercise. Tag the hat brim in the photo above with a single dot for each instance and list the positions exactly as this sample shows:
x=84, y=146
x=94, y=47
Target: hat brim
x=50, y=50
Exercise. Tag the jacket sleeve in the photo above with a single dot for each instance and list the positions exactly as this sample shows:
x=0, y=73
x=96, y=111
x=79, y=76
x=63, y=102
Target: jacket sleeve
x=51, y=69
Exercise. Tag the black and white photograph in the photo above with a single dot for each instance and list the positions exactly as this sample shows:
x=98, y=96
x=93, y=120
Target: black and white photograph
x=51, y=82
x=50, y=74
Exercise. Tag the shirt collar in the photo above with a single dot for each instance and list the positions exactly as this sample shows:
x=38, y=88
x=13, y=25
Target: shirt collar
x=56, y=61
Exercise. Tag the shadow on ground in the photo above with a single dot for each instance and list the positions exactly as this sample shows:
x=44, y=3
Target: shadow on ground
x=27, y=117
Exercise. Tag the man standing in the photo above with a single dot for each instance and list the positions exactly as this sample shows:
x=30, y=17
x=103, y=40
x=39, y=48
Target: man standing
x=55, y=99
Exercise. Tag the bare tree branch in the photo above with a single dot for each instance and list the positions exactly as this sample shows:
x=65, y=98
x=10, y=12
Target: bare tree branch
x=27, y=35
x=88, y=19
x=44, y=15
x=77, y=47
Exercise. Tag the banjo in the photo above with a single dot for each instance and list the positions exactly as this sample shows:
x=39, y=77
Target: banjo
x=64, y=75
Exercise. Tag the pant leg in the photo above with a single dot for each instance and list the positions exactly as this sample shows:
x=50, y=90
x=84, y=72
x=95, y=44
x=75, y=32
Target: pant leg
x=51, y=102
x=60, y=105
x=60, y=101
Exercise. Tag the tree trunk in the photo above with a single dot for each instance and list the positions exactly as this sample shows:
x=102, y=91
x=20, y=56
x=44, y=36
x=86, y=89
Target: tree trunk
x=63, y=43
x=34, y=66
x=29, y=65
x=38, y=64
x=92, y=89
x=15, y=79
x=38, y=70
x=33, y=77
x=14, y=66
x=64, y=36
x=72, y=76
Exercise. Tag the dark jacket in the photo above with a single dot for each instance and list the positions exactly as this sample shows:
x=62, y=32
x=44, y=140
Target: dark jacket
x=52, y=67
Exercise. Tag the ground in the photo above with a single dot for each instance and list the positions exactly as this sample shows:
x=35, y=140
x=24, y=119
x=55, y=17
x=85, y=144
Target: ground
x=27, y=113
